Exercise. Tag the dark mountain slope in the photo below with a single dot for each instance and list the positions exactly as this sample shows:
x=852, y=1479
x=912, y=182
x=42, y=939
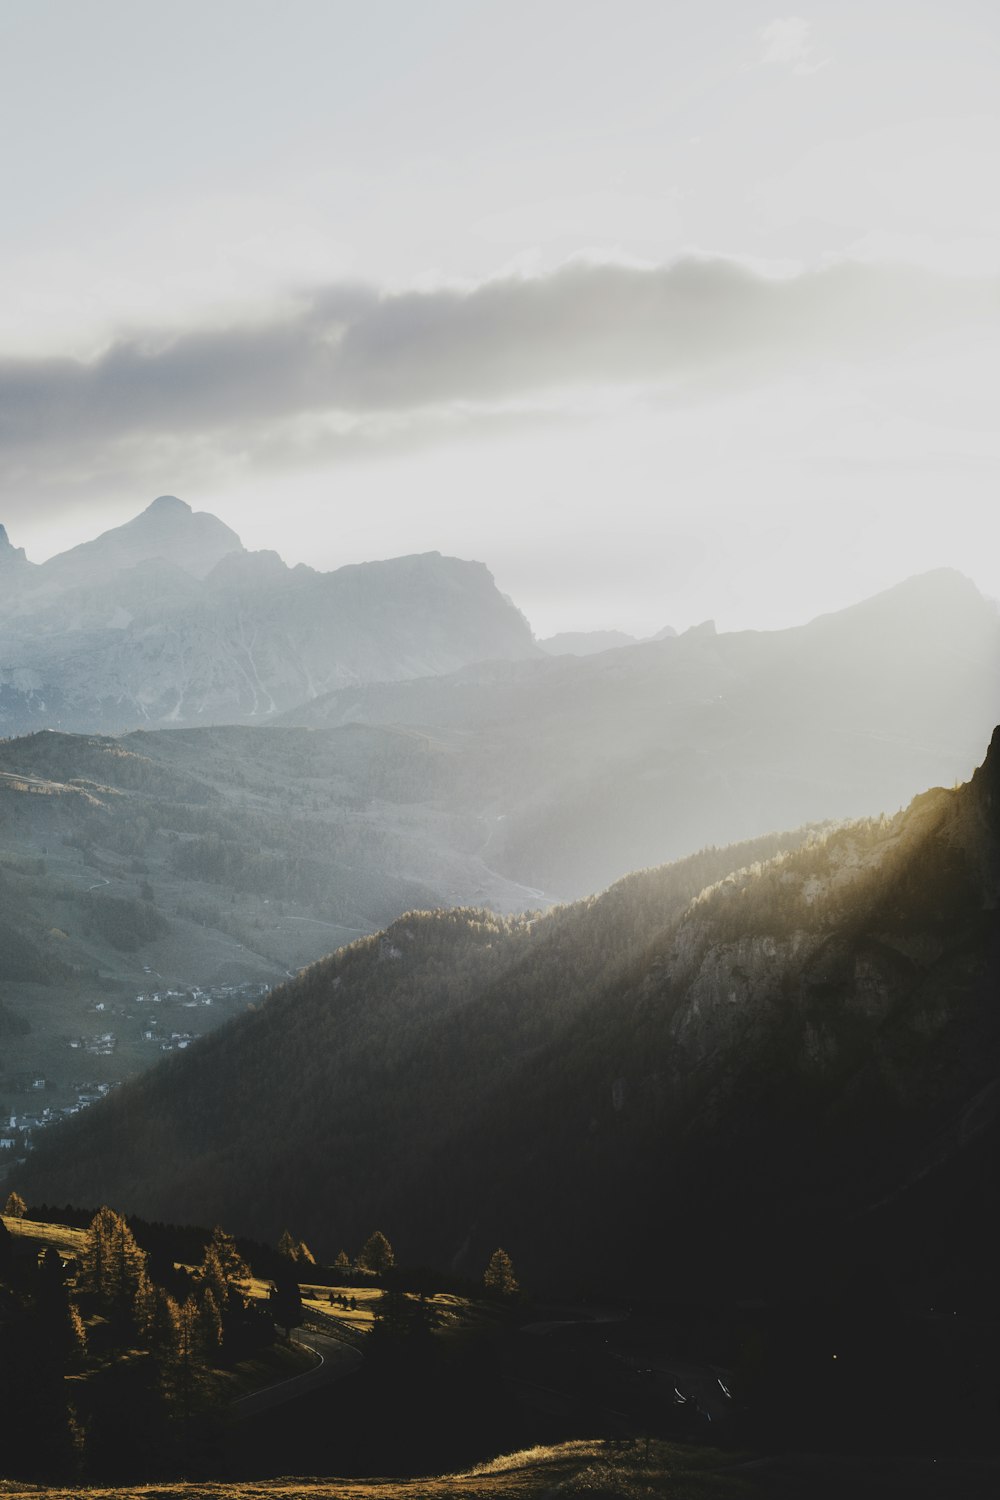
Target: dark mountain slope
x=594, y=766
x=708, y=1073
x=370, y=1053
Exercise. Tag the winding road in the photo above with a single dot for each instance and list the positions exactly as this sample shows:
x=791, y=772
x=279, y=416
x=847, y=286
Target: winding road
x=336, y=1360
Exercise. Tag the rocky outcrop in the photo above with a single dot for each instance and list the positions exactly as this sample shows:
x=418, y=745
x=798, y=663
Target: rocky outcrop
x=11, y=557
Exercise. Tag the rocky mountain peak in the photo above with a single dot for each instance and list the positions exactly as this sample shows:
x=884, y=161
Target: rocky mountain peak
x=168, y=529
x=164, y=504
x=9, y=553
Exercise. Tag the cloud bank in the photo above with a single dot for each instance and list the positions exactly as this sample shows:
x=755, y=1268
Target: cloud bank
x=372, y=359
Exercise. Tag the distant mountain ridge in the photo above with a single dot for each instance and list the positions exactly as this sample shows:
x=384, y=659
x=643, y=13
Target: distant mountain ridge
x=169, y=620
x=168, y=529
x=593, y=766
x=590, y=642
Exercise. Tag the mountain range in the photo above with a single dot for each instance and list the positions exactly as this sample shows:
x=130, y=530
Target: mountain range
x=591, y=642
x=591, y=767
x=168, y=619
x=213, y=856
x=755, y=1067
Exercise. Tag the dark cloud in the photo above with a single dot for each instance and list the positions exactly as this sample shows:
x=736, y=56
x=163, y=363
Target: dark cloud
x=349, y=349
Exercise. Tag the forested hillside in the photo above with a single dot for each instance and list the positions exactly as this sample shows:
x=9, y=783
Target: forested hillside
x=716, y=1070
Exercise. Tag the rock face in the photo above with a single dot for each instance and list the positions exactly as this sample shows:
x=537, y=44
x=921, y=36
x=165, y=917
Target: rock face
x=168, y=620
x=10, y=556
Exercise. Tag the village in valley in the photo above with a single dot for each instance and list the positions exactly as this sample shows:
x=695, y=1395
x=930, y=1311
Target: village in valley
x=163, y=1020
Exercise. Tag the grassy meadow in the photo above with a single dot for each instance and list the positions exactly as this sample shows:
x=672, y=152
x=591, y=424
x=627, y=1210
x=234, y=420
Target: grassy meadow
x=565, y=1470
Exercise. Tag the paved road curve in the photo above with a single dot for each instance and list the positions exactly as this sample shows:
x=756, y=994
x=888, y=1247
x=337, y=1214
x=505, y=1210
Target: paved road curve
x=336, y=1360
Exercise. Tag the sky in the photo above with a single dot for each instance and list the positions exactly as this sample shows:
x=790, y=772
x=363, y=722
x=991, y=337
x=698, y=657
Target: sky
x=665, y=311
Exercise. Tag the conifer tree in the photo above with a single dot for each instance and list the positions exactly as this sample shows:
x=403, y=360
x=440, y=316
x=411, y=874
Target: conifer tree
x=284, y=1300
x=185, y=1355
x=77, y=1338
x=209, y=1324
x=377, y=1254
x=213, y=1277
x=113, y=1271
x=15, y=1207
x=288, y=1245
x=162, y=1336
x=392, y=1318
x=499, y=1278
x=295, y=1250
x=60, y=1327
x=233, y=1265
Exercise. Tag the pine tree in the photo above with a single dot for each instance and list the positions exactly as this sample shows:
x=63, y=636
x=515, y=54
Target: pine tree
x=392, y=1318
x=77, y=1338
x=113, y=1270
x=209, y=1324
x=284, y=1300
x=288, y=1245
x=213, y=1277
x=162, y=1335
x=185, y=1355
x=233, y=1265
x=60, y=1327
x=377, y=1254
x=499, y=1278
x=295, y=1250
x=15, y=1207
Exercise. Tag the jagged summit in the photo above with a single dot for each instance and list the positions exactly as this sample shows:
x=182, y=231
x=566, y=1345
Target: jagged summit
x=169, y=619
x=168, y=529
x=9, y=553
x=164, y=503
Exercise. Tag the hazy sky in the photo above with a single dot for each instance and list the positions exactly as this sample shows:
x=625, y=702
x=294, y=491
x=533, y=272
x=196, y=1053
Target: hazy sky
x=663, y=310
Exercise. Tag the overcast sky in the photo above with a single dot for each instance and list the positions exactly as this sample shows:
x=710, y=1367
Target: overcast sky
x=662, y=310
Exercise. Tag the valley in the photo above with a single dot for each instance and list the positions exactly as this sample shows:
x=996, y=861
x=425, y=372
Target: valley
x=201, y=867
